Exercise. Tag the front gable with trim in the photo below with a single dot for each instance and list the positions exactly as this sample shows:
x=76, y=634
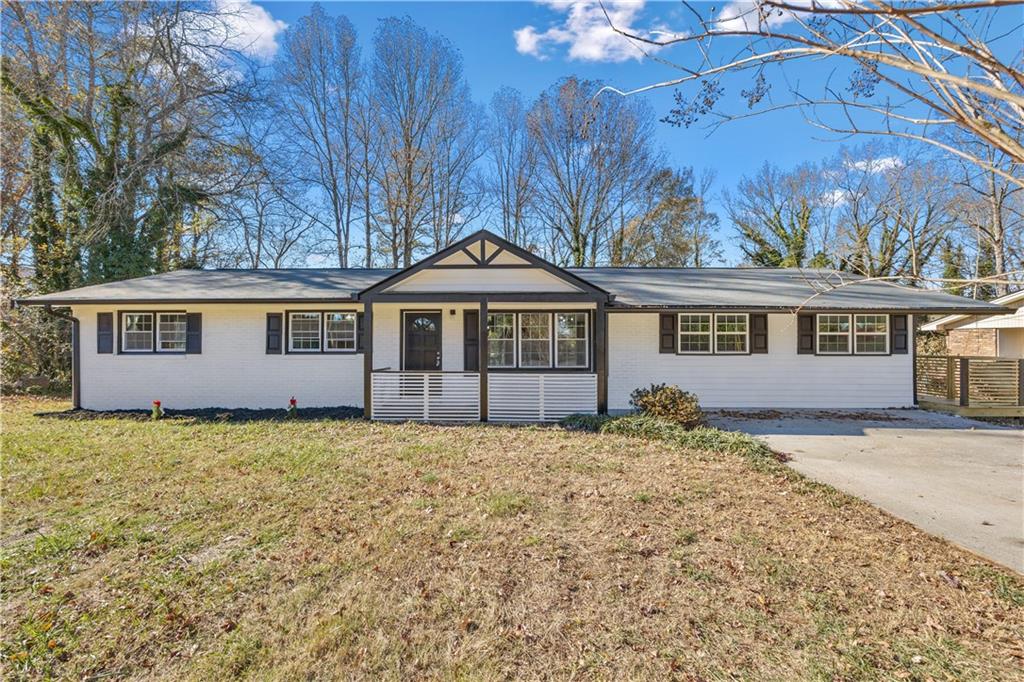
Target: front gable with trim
x=483, y=263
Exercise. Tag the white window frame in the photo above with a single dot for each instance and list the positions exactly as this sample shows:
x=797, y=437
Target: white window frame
x=319, y=334
x=159, y=337
x=514, y=339
x=520, y=339
x=325, y=336
x=710, y=334
x=585, y=339
x=884, y=334
x=746, y=334
x=124, y=332
x=818, y=334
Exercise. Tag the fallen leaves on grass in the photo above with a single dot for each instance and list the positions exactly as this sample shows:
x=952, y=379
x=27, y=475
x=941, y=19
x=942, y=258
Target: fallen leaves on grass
x=268, y=549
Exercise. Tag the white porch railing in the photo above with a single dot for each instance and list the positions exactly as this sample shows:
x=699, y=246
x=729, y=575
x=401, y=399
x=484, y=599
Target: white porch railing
x=425, y=396
x=539, y=397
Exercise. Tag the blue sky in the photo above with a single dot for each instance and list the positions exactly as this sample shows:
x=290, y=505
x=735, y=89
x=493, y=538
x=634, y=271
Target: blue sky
x=485, y=34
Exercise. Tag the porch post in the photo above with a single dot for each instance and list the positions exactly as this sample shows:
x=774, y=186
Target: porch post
x=367, y=358
x=482, y=364
x=965, y=382
x=601, y=356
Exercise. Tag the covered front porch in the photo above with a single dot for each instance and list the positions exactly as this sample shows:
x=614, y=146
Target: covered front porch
x=489, y=360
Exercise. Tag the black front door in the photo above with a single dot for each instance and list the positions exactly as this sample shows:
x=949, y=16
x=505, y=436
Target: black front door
x=423, y=341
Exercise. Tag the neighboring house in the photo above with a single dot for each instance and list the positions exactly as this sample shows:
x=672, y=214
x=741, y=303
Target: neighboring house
x=991, y=335
x=486, y=330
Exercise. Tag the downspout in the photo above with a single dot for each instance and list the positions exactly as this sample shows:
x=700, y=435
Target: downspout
x=76, y=355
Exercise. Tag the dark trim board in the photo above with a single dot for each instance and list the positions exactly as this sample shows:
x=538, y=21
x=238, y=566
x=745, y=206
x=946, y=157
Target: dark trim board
x=614, y=309
x=428, y=298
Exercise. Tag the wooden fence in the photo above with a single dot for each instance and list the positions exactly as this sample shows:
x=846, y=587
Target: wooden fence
x=976, y=382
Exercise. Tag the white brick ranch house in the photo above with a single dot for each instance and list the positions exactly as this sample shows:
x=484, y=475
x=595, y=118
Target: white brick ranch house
x=486, y=330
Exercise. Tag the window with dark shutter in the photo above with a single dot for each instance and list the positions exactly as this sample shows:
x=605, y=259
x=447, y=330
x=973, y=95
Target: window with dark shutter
x=805, y=334
x=104, y=332
x=360, y=333
x=471, y=340
x=194, y=333
x=759, y=333
x=899, y=341
x=667, y=333
x=275, y=333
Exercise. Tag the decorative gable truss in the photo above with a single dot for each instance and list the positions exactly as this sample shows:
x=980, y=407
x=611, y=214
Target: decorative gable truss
x=484, y=264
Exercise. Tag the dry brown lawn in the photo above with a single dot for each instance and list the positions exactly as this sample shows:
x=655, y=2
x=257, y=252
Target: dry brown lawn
x=337, y=549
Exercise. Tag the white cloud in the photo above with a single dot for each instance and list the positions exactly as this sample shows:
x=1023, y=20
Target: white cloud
x=586, y=31
x=249, y=28
x=745, y=15
x=882, y=164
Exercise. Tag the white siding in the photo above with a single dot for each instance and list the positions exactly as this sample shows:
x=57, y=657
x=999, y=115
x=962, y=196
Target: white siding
x=1011, y=343
x=779, y=378
x=233, y=370
x=387, y=334
x=482, y=280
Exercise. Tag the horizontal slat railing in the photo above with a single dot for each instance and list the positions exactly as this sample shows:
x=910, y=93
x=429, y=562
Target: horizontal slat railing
x=539, y=397
x=991, y=382
x=425, y=396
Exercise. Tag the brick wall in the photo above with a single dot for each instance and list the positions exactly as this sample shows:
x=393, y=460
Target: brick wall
x=971, y=342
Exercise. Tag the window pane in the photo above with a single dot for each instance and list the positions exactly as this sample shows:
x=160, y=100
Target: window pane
x=871, y=343
x=695, y=333
x=731, y=343
x=501, y=344
x=170, y=333
x=833, y=324
x=535, y=340
x=304, y=331
x=571, y=339
x=872, y=324
x=138, y=331
x=833, y=343
x=695, y=343
x=340, y=331
x=695, y=323
x=731, y=333
x=571, y=325
x=572, y=353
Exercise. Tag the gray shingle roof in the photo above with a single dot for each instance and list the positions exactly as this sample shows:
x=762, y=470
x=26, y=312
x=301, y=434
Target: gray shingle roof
x=766, y=288
x=746, y=288
x=193, y=286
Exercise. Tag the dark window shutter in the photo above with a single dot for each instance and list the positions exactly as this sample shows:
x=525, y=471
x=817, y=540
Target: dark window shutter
x=194, y=333
x=104, y=332
x=759, y=333
x=899, y=335
x=805, y=334
x=667, y=333
x=275, y=325
x=360, y=333
x=471, y=340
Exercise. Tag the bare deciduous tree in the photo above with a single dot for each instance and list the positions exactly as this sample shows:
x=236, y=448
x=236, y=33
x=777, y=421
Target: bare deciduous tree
x=513, y=156
x=417, y=78
x=914, y=69
x=594, y=156
x=319, y=74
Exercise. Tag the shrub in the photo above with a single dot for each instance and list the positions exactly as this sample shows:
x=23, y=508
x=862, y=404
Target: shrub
x=668, y=402
x=584, y=422
x=655, y=428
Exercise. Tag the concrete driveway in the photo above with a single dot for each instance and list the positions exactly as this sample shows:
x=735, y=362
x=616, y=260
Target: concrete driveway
x=956, y=478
